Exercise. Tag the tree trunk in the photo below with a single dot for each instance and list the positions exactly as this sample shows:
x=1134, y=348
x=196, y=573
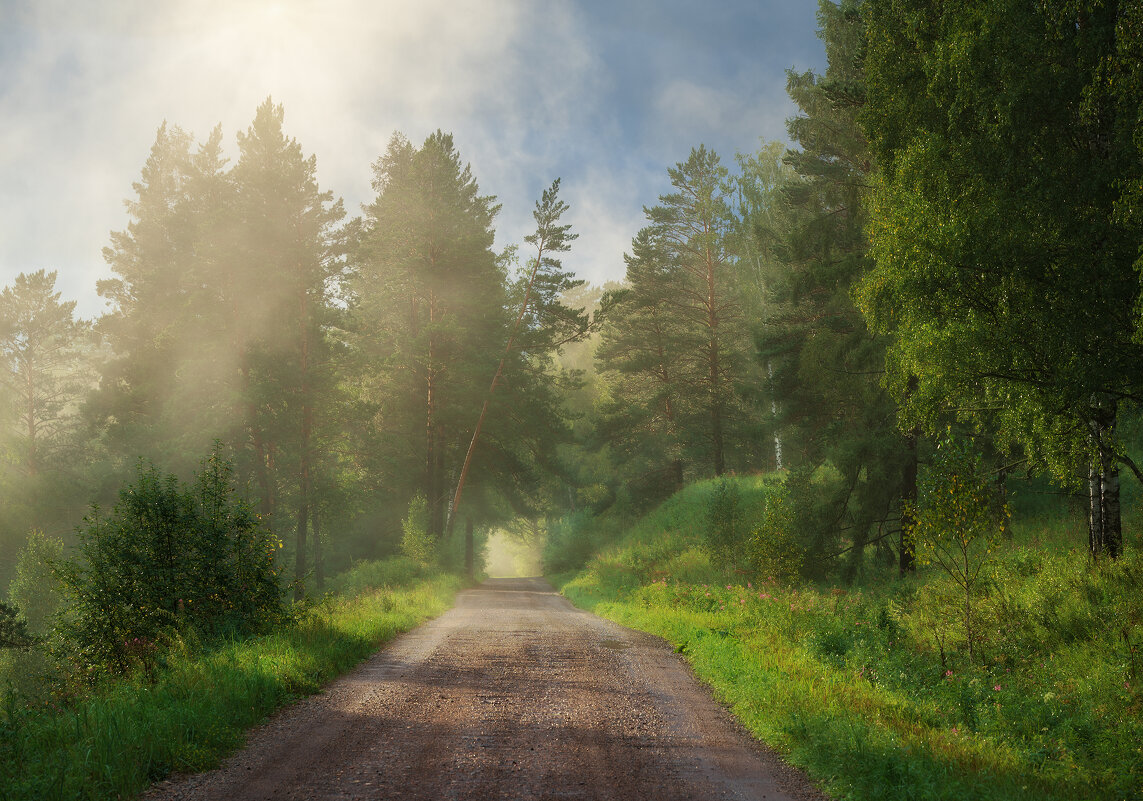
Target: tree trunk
x=774, y=414
x=33, y=461
x=1002, y=498
x=261, y=474
x=300, y=556
x=908, y=505
x=304, y=476
x=1095, y=512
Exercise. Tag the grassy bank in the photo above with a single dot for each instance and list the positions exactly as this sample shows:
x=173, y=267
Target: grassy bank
x=116, y=741
x=870, y=688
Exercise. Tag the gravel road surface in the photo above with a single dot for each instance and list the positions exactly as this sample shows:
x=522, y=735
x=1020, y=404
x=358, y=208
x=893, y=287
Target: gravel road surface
x=513, y=694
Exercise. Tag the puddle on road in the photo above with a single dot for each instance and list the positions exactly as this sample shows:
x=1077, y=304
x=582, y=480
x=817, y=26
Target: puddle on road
x=615, y=645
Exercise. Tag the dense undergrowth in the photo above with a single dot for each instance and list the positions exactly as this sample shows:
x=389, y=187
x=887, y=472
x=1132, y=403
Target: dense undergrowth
x=870, y=686
x=195, y=706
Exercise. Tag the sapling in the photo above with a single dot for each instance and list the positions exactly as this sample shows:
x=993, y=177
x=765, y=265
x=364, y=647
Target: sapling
x=959, y=521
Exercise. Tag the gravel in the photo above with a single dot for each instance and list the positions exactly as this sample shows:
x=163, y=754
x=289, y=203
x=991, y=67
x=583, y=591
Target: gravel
x=513, y=694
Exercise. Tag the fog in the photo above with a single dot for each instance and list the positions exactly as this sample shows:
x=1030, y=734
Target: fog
x=508, y=556
x=605, y=96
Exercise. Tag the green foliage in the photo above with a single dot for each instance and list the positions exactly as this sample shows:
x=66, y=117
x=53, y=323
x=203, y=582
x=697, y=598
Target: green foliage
x=573, y=539
x=824, y=365
x=726, y=526
x=774, y=547
x=114, y=742
x=46, y=356
x=13, y=630
x=168, y=556
x=416, y=541
x=35, y=589
x=1001, y=160
x=674, y=343
x=959, y=520
x=875, y=694
x=367, y=576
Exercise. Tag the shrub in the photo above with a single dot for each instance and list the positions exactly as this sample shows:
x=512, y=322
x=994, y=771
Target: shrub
x=35, y=588
x=573, y=539
x=725, y=522
x=13, y=631
x=168, y=555
x=959, y=519
x=416, y=542
x=774, y=548
x=363, y=577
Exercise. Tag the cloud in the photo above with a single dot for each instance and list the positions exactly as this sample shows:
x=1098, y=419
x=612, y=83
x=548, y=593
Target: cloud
x=531, y=91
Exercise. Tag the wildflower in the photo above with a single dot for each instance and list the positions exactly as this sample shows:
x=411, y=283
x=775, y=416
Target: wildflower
x=955, y=730
x=996, y=689
x=749, y=586
x=948, y=674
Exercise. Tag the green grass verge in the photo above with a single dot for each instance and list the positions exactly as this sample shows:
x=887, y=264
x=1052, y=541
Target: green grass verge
x=127, y=735
x=870, y=689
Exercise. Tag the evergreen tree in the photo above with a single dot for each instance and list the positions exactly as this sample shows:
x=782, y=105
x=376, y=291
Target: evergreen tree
x=430, y=316
x=638, y=355
x=825, y=366
x=677, y=336
x=290, y=248
x=47, y=366
x=46, y=356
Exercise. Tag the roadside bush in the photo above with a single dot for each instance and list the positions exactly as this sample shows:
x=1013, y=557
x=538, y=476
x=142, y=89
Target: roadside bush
x=775, y=552
x=168, y=555
x=397, y=571
x=416, y=542
x=960, y=520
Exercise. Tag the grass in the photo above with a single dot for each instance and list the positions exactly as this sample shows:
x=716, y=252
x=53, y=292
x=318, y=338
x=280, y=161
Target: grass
x=123, y=736
x=870, y=689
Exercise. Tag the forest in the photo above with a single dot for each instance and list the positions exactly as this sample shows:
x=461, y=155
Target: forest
x=891, y=372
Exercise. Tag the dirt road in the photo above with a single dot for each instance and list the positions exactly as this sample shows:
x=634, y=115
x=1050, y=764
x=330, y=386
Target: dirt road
x=514, y=694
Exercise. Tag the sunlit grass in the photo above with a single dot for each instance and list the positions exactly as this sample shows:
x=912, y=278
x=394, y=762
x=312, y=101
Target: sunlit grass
x=851, y=683
x=124, y=736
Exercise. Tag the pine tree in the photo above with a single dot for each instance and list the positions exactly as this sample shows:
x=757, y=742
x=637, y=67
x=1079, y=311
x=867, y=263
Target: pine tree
x=676, y=336
x=45, y=354
x=430, y=313
x=290, y=247
x=826, y=365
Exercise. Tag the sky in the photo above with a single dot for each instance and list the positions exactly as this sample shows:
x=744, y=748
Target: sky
x=604, y=94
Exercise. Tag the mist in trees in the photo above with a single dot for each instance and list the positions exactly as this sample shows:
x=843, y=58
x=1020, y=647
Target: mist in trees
x=343, y=363
x=948, y=240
